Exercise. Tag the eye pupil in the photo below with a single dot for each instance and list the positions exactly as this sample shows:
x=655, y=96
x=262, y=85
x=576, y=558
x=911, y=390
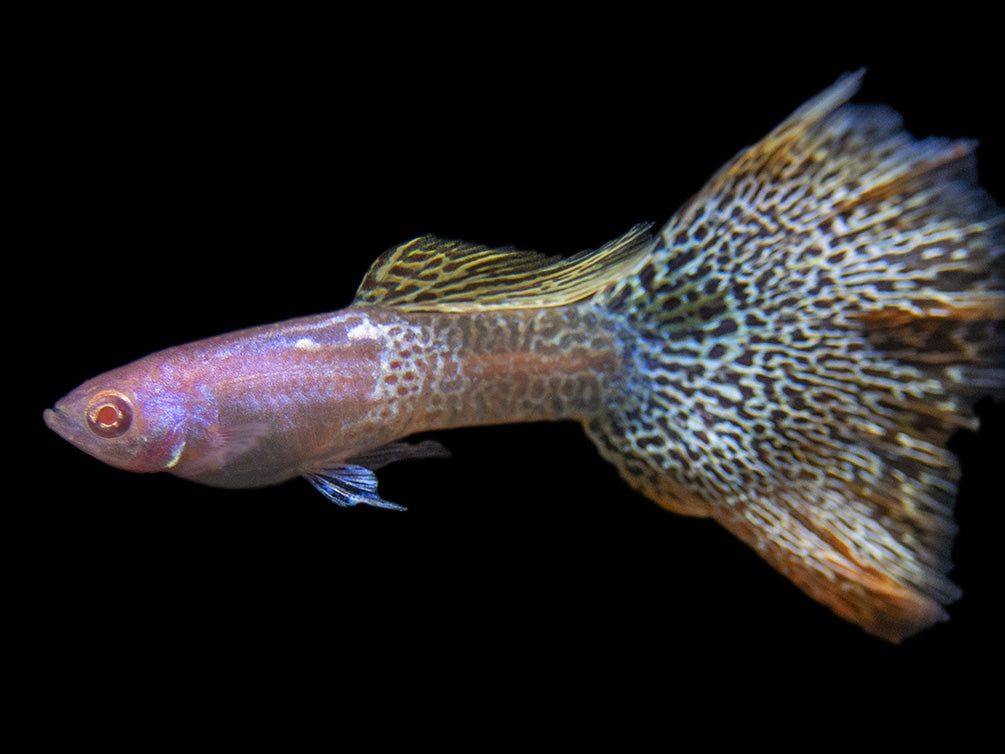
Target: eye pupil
x=109, y=414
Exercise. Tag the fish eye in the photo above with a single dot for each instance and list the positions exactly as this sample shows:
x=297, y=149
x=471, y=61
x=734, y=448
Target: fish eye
x=109, y=414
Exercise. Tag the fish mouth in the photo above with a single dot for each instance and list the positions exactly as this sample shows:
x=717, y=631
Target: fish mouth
x=56, y=420
x=51, y=416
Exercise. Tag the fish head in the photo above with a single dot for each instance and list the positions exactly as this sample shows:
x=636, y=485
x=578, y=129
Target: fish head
x=125, y=418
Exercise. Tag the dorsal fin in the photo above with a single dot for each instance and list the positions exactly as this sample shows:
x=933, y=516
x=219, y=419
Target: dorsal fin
x=432, y=274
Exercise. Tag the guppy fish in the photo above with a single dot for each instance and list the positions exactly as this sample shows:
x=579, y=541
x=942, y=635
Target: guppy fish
x=788, y=356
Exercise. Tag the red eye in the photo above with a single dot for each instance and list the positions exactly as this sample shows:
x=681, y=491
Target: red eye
x=109, y=414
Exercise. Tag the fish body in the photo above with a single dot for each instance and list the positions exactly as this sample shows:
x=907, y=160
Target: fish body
x=788, y=355
x=263, y=405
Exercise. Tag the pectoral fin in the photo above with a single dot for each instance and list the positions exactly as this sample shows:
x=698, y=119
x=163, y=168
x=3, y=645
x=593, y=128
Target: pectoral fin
x=227, y=444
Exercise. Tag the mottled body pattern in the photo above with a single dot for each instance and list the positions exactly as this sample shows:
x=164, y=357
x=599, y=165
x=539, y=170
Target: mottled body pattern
x=787, y=356
x=449, y=370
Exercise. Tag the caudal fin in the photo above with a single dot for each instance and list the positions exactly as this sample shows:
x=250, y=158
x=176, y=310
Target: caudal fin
x=810, y=330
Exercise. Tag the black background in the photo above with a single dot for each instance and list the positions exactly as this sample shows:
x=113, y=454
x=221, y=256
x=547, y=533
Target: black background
x=188, y=182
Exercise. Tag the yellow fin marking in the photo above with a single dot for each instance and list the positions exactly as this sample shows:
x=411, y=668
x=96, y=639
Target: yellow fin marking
x=432, y=274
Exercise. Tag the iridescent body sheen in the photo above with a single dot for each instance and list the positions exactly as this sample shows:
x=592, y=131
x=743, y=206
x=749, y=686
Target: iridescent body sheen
x=787, y=356
x=267, y=404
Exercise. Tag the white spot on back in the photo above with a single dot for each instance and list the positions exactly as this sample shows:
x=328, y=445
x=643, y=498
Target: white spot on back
x=364, y=330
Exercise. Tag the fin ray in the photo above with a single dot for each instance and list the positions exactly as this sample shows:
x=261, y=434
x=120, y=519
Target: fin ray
x=431, y=274
x=353, y=482
x=795, y=314
x=349, y=485
x=400, y=451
